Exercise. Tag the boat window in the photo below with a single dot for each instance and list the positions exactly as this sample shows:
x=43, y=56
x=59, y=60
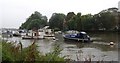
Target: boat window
x=35, y=34
x=40, y=30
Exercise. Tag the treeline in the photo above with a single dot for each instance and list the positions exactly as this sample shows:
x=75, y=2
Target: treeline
x=108, y=19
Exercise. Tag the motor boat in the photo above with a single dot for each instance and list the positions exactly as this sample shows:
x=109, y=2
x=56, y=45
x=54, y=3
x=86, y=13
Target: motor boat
x=81, y=37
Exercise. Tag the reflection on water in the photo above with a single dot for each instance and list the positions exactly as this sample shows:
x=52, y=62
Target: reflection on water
x=106, y=36
x=96, y=50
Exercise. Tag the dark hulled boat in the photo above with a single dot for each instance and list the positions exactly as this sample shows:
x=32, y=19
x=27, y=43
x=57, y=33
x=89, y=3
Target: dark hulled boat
x=82, y=36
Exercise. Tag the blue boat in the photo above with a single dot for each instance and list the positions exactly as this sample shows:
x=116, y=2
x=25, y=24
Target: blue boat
x=82, y=36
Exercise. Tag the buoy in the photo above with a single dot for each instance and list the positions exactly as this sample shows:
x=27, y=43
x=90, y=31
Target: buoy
x=111, y=43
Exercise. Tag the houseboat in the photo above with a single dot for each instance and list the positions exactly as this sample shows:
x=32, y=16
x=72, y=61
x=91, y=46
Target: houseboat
x=33, y=34
x=43, y=33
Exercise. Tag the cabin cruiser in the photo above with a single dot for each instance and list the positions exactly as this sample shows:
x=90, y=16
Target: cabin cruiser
x=81, y=36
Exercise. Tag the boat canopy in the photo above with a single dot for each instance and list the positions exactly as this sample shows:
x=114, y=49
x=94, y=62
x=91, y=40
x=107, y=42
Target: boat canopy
x=83, y=32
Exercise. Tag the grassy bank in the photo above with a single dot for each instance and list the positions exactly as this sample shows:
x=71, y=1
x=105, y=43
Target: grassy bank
x=14, y=52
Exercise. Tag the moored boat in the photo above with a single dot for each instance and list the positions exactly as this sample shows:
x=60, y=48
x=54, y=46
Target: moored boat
x=82, y=36
x=34, y=34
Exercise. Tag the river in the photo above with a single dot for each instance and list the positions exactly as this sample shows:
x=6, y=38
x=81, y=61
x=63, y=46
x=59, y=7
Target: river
x=98, y=50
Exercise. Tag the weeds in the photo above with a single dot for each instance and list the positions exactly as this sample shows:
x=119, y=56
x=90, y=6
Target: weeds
x=12, y=52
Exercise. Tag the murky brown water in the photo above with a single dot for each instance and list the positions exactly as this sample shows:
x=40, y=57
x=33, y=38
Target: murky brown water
x=97, y=50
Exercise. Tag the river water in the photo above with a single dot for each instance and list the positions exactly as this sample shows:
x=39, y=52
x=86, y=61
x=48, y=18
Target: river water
x=98, y=50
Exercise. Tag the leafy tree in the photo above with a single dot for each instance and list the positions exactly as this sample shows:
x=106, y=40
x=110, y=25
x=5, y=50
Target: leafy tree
x=34, y=24
x=78, y=21
x=56, y=21
x=72, y=24
x=87, y=22
x=75, y=22
x=106, y=21
x=39, y=20
x=69, y=16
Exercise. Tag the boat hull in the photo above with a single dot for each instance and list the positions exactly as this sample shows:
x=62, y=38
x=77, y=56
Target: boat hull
x=16, y=35
x=76, y=39
x=32, y=38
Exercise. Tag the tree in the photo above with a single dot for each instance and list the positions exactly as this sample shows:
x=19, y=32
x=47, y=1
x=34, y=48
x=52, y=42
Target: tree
x=34, y=24
x=88, y=22
x=69, y=16
x=72, y=24
x=75, y=22
x=56, y=21
x=106, y=21
x=35, y=20
x=78, y=21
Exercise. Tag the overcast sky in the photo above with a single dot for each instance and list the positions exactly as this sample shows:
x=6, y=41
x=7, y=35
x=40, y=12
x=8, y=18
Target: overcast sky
x=15, y=12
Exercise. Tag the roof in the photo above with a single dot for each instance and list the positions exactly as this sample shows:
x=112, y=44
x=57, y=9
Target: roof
x=83, y=32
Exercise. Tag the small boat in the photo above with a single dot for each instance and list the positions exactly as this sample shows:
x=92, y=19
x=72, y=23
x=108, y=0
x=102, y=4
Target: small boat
x=111, y=43
x=82, y=36
x=16, y=34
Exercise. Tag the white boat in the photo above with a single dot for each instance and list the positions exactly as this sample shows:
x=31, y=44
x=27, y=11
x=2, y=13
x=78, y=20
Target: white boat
x=44, y=33
x=34, y=35
x=49, y=33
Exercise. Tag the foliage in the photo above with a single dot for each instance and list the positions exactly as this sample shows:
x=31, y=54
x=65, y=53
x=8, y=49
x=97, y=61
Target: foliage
x=14, y=52
x=34, y=24
x=87, y=22
x=67, y=24
x=78, y=21
x=104, y=20
x=69, y=16
x=107, y=20
x=36, y=20
x=56, y=21
x=72, y=24
x=101, y=21
x=75, y=22
x=54, y=55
